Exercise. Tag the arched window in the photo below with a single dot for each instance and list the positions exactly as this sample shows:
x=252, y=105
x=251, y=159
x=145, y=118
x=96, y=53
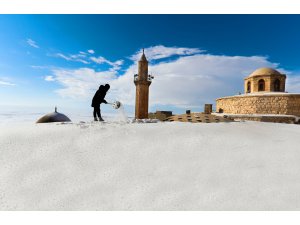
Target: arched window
x=248, y=87
x=277, y=85
x=261, y=85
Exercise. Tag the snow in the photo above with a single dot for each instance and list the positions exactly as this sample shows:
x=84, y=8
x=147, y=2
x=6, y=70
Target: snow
x=150, y=166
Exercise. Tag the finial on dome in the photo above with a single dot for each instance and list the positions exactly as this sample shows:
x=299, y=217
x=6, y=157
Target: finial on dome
x=143, y=50
x=55, y=109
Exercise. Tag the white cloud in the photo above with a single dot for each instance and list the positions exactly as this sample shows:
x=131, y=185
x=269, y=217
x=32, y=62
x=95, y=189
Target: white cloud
x=38, y=67
x=76, y=58
x=194, y=80
x=160, y=52
x=83, y=58
x=81, y=83
x=63, y=56
x=187, y=82
x=99, y=60
x=32, y=43
x=293, y=83
x=49, y=78
x=115, y=65
x=6, y=83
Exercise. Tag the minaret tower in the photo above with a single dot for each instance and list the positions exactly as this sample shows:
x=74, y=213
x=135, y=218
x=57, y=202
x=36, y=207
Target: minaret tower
x=142, y=82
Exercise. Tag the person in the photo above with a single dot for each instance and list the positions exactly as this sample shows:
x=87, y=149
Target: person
x=98, y=99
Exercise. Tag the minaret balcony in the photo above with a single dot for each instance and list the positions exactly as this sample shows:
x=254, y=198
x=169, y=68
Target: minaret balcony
x=142, y=82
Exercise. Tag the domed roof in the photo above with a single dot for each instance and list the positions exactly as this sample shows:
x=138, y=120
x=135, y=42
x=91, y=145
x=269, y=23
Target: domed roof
x=264, y=71
x=53, y=117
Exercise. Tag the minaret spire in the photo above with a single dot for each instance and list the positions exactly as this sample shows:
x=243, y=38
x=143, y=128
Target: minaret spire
x=143, y=57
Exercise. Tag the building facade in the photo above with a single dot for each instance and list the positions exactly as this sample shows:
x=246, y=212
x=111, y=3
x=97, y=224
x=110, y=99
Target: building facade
x=265, y=80
x=264, y=94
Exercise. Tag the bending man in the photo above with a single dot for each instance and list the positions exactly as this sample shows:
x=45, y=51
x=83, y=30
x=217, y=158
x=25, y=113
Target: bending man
x=98, y=99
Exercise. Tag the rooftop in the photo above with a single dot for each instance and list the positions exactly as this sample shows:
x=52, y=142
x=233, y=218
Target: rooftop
x=265, y=71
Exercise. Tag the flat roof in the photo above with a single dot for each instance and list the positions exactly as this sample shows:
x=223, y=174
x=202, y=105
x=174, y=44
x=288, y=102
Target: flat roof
x=256, y=94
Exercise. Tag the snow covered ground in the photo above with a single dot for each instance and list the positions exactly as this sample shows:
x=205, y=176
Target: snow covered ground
x=152, y=166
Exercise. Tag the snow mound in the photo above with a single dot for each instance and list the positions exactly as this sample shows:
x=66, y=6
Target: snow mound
x=150, y=166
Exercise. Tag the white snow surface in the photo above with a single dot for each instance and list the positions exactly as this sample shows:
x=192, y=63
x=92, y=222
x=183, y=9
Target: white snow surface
x=150, y=166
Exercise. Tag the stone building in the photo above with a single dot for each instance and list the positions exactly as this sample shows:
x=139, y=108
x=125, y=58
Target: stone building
x=265, y=80
x=198, y=117
x=264, y=99
x=160, y=115
x=142, y=81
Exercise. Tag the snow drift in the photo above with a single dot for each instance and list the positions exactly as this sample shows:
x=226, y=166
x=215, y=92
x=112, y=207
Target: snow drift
x=159, y=166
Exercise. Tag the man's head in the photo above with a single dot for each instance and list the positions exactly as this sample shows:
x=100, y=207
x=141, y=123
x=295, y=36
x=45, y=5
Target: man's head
x=107, y=86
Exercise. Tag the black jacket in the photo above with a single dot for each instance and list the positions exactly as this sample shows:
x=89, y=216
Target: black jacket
x=99, y=96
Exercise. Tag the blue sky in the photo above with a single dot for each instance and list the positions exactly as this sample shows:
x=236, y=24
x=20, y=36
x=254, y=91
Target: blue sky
x=48, y=60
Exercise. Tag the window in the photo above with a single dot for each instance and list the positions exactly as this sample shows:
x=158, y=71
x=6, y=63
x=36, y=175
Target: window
x=261, y=85
x=248, y=87
x=277, y=85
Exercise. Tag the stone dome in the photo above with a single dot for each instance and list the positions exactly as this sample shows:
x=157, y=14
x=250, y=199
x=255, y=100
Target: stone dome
x=264, y=71
x=53, y=117
x=265, y=80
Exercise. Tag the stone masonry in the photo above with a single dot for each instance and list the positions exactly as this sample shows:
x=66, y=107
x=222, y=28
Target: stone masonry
x=271, y=103
x=142, y=82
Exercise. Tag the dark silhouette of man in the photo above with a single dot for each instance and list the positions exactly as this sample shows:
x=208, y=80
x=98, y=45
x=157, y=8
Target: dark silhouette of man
x=98, y=99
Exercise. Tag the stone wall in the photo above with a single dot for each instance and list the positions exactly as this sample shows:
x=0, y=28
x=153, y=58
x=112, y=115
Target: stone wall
x=160, y=115
x=271, y=103
x=273, y=119
x=199, y=118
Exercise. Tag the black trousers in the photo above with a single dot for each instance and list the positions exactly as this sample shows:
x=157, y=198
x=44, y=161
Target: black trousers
x=97, y=112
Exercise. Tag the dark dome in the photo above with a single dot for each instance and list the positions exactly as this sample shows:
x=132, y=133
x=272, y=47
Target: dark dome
x=53, y=117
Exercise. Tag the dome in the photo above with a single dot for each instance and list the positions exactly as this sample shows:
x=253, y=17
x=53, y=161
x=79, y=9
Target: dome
x=264, y=71
x=54, y=117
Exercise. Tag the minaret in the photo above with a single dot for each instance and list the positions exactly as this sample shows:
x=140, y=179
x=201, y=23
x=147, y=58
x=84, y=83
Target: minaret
x=142, y=82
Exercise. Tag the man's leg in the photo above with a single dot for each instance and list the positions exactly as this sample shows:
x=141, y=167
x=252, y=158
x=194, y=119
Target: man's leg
x=99, y=114
x=94, y=114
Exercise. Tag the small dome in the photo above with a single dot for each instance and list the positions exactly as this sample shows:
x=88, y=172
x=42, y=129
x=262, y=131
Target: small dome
x=54, y=117
x=264, y=71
